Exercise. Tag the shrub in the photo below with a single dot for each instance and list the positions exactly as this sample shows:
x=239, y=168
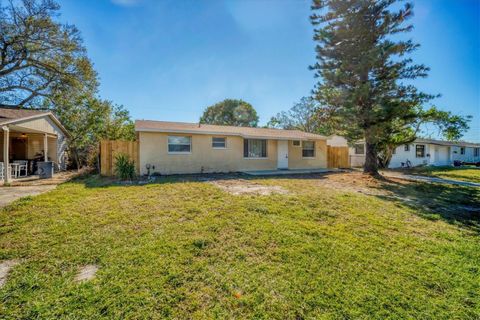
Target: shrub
x=124, y=167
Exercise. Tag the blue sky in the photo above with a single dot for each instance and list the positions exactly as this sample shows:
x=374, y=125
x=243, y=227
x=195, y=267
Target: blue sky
x=168, y=60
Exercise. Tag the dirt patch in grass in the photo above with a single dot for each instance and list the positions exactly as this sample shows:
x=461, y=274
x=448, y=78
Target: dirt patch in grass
x=241, y=186
x=5, y=268
x=316, y=252
x=86, y=273
x=359, y=182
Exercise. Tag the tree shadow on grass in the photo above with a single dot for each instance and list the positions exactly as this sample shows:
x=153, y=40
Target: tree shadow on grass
x=97, y=181
x=454, y=204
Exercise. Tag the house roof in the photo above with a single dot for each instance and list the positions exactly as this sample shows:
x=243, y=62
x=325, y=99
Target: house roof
x=245, y=132
x=442, y=143
x=9, y=114
x=448, y=143
x=14, y=115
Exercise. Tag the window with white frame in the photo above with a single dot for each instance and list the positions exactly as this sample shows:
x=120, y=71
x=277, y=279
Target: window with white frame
x=179, y=144
x=255, y=148
x=308, y=149
x=219, y=143
x=420, y=151
x=407, y=147
x=296, y=143
x=476, y=152
x=462, y=150
x=359, y=148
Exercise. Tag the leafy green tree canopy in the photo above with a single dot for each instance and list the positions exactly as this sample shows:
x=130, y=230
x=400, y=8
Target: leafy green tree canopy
x=231, y=112
x=365, y=85
x=302, y=116
x=90, y=119
x=43, y=64
x=39, y=57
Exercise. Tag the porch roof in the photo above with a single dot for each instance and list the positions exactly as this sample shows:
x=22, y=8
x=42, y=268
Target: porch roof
x=7, y=115
x=14, y=116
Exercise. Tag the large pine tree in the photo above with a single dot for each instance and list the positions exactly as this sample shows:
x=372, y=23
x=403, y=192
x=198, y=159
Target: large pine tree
x=364, y=72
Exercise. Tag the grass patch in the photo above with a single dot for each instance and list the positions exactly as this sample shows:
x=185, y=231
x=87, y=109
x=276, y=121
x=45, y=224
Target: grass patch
x=465, y=173
x=182, y=249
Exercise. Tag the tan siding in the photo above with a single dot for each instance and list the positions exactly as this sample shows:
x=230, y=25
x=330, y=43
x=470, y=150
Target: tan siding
x=35, y=145
x=1, y=145
x=57, y=141
x=52, y=150
x=203, y=158
x=44, y=124
x=296, y=161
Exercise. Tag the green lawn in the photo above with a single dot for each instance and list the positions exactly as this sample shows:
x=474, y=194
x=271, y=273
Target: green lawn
x=469, y=173
x=188, y=250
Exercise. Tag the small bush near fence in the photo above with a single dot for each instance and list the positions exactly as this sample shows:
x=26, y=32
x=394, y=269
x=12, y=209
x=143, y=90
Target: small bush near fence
x=124, y=167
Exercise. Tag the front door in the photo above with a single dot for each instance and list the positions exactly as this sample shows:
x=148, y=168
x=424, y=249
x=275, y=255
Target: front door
x=282, y=149
x=441, y=156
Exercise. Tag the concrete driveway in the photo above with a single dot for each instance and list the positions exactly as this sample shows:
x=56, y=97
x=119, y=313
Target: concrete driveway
x=10, y=194
x=419, y=178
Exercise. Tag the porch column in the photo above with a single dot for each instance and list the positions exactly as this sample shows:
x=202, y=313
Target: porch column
x=45, y=147
x=6, y=165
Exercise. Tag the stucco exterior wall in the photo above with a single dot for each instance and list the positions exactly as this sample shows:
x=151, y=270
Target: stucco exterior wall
x=469, y=155
x=296, y=161
x=153, y=150
x=439, y=156
x=402, y=156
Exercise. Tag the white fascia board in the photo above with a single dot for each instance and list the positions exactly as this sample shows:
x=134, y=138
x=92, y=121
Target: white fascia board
x=245, y=136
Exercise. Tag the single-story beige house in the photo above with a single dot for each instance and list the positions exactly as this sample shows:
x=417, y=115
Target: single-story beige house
x=178, y=148
x=27, y=137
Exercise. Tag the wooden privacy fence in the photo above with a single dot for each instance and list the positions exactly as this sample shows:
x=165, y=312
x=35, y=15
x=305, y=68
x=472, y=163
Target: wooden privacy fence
x=337, y=157
x=110, y=148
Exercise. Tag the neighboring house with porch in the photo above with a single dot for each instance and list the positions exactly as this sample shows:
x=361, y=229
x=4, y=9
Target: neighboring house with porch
x=422, y=152
x=28, y=137
x=177, y=148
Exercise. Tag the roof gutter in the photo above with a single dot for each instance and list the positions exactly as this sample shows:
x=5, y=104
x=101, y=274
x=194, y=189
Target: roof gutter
x=246, y=136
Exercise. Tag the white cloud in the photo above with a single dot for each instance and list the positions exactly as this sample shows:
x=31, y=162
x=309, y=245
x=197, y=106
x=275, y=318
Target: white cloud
x=126, y=3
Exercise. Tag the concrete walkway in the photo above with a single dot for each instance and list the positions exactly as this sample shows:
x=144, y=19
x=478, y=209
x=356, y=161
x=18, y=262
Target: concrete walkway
x=411, y=177
x=10, y=194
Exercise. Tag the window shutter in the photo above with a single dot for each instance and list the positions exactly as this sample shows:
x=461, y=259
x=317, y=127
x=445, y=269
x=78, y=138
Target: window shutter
x=245, y=148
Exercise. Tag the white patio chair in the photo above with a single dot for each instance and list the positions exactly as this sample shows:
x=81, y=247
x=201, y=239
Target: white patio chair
x=2, y=171
x=22, y=166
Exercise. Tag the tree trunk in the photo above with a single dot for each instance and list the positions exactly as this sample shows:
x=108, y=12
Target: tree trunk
x=76, y=158
x=371, y=158
x=385, y=156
